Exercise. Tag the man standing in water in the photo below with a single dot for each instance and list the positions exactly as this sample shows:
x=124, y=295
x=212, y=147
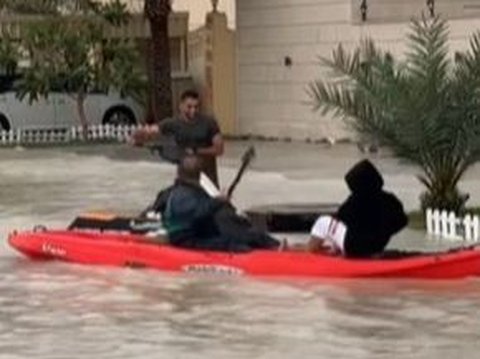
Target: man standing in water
x=193, y=133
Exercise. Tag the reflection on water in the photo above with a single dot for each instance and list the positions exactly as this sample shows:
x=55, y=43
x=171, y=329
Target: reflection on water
x=55, y=310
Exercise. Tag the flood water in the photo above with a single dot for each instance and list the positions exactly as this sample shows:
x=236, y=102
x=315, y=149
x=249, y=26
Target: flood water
x=55, y=310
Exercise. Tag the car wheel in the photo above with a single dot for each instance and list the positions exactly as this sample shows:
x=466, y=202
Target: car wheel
x=4, y=124
x=119, y=117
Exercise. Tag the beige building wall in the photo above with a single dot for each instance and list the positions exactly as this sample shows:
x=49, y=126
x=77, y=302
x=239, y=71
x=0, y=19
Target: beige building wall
x=213, y=67
x=198, y=9
x=197, y=62
x=223, y=72
x=272, y=96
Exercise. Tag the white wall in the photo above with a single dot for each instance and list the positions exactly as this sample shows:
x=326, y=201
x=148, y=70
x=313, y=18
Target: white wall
x=272, y=98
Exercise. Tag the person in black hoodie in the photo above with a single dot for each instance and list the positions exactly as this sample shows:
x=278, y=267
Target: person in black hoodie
x=372, y=216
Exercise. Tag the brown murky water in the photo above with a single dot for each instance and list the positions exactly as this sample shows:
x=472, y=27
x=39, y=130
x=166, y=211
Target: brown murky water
x=55, y=310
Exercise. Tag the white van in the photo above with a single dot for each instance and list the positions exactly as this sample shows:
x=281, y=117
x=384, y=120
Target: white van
x=59, y=110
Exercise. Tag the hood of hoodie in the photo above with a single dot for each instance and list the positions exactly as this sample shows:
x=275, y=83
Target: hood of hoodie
x=364, y=178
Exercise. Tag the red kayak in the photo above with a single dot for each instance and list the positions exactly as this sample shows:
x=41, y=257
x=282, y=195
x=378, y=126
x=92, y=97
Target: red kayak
x=117, y=249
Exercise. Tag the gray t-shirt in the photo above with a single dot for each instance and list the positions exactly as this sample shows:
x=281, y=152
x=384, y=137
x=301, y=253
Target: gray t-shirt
x=195, y=134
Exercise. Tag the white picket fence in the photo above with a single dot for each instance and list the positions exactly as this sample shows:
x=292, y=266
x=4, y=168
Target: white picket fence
x=443, y=224
x=65, y=135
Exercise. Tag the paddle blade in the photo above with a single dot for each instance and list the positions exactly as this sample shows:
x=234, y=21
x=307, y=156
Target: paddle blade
x=208, y=185
x=168, y=150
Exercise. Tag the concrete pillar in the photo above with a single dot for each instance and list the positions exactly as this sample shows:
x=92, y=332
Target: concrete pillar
x=183, y=55
x=221, y=70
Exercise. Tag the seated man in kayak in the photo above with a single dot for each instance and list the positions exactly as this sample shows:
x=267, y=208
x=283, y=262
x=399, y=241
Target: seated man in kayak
x=195, y=220
x=365, y=222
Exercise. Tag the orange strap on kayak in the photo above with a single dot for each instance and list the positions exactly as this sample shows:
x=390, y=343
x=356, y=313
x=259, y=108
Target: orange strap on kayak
x=100, y=216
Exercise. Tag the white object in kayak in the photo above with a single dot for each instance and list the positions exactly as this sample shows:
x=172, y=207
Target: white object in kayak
x=208, y=186
x=331, y=230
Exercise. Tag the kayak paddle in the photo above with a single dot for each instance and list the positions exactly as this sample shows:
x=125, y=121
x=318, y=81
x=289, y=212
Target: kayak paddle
x=247, y=158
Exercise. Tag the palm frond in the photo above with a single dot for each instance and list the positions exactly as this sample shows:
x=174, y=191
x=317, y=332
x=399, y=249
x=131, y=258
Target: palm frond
x=426, y=108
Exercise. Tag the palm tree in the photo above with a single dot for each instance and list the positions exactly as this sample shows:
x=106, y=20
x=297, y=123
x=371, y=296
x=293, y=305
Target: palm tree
x=426, y=108
x=157, y=12
x=46, y=7
x=29, y=6
x=9, y=54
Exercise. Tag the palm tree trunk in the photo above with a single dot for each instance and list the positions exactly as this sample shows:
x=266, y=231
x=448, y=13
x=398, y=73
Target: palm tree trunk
x=157, y=12
x=443, y=193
